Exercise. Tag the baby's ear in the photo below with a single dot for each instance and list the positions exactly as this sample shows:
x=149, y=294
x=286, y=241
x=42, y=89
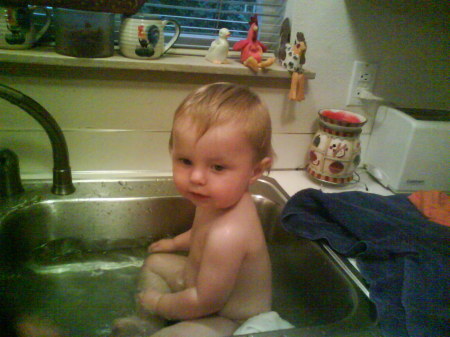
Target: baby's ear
x=260, y=167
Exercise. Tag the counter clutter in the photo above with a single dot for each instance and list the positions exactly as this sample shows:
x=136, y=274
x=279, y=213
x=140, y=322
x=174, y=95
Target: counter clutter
x=90, y=43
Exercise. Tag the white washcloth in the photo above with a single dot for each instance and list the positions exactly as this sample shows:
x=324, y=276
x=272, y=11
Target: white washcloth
x=267, y=321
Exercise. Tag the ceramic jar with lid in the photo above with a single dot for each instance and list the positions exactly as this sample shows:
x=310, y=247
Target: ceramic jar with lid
x=335, y=151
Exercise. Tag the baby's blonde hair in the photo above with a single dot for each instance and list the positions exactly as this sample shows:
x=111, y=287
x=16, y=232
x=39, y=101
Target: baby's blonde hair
x=219, y=103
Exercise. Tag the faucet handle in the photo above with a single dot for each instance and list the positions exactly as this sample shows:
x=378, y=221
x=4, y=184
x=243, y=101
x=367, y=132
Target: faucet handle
x=10, y=183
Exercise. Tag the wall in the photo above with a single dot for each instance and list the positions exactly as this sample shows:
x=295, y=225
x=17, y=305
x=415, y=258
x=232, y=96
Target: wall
x=409, y=40
x=120, y=120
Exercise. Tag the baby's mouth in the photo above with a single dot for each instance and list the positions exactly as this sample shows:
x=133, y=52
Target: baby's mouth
x=198, y=195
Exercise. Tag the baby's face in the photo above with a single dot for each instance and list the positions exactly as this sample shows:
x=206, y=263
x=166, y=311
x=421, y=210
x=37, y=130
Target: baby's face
x=213, y=170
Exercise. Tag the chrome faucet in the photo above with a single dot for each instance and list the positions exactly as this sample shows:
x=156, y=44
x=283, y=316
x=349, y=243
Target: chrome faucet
x=62, y=176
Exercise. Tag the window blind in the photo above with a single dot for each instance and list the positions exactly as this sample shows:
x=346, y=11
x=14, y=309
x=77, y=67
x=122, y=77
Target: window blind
x=200, y=20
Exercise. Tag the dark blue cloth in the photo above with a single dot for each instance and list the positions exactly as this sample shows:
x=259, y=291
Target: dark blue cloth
x=403, y=256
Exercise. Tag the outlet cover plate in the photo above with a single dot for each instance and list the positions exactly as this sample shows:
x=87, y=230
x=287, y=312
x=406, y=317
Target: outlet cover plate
x=363, y=76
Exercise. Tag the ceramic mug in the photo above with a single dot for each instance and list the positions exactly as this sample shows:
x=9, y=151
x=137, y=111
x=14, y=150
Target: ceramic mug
x=142, y=36
x=18, y=29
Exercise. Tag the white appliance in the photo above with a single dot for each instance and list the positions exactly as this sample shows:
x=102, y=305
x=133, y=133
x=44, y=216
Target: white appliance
x=409, y=149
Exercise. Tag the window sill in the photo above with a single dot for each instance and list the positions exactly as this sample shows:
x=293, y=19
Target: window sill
x=170, y=62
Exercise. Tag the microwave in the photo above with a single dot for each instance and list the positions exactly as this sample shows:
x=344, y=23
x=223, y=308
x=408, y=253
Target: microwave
x=409, y=149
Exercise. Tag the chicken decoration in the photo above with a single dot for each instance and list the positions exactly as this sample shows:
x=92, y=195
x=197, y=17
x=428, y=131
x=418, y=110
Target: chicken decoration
x=218, y=51
x=252, y=50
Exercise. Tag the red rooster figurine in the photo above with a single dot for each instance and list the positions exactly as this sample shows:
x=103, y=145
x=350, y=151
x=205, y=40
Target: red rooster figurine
x=252, y=49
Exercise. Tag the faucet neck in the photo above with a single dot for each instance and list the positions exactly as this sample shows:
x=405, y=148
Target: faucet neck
x=62, y=179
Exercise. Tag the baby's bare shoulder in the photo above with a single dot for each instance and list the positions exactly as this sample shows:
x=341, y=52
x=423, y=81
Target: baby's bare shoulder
x=225, y=243
x=237, y=229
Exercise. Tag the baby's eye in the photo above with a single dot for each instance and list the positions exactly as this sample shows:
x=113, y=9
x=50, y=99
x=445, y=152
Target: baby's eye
x=218, y=168
x=185, y=161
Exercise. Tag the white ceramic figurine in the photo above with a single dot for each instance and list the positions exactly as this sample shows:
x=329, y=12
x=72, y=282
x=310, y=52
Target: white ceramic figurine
x=218, y=51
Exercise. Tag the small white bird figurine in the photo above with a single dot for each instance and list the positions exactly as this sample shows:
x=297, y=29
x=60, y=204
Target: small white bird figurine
x=218, y=51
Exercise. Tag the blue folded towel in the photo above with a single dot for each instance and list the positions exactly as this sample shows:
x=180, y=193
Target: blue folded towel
x=404, y=257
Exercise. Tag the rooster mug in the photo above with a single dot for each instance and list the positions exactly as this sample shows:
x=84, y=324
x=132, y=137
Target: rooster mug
x=142, y=37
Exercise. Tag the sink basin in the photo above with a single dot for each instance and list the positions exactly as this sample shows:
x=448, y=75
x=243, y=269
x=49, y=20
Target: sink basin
x=73, y=259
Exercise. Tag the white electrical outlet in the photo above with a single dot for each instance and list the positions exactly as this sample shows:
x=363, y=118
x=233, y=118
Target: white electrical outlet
x=363, y=77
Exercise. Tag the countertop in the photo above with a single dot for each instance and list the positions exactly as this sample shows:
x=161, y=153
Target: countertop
x=293, y=181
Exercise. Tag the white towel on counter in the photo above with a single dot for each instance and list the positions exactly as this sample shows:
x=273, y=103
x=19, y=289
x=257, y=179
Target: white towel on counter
x=267, y=321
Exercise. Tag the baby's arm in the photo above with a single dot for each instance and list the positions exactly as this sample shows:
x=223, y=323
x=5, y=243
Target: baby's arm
x=223, y=255
x=179, y=242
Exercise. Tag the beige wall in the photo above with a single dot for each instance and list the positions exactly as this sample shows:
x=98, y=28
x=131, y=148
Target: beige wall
x=120, y=120
x=409, y=40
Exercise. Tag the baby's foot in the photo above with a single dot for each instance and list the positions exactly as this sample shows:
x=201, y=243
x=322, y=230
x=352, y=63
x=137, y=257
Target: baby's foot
x=134, y=326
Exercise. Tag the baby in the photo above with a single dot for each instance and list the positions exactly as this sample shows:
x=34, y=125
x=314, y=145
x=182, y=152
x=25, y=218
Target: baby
x=220, y=145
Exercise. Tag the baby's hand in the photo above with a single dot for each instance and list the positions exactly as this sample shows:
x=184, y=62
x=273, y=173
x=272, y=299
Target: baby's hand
x=164, y=245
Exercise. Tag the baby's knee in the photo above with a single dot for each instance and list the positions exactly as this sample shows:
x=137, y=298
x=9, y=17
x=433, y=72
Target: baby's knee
x=154, y=262
x=169, y=266
x=150, y=280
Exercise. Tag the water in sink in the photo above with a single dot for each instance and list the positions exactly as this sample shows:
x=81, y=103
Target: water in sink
x=85, y=295
x=72, y=288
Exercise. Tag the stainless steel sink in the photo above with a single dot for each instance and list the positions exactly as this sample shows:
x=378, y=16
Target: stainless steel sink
x=73, y=259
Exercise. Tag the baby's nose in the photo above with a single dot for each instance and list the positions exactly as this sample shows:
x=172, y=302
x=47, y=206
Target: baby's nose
x=198, y=176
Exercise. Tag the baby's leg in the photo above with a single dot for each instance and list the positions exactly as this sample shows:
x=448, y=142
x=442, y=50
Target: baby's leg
x=214, y=326
x=153, y=275
x=169, y=266
x=144, y=323
x=149, y=279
